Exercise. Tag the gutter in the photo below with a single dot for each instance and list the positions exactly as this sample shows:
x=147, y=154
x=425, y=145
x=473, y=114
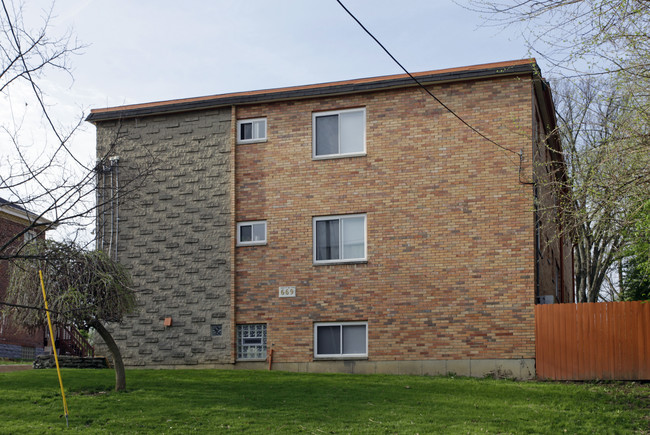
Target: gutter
x=528, y=67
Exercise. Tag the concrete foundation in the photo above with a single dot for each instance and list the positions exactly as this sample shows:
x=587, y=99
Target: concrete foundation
x=520, y=369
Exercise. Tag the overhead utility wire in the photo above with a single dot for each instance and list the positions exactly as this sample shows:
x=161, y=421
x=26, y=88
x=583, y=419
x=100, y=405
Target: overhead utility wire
x=424, y=87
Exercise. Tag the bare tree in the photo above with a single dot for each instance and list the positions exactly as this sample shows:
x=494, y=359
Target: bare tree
x=603, y=120
x=589, y=115
x=40, y=173
x=594, y=37
x=85, y=289
x=36, y=179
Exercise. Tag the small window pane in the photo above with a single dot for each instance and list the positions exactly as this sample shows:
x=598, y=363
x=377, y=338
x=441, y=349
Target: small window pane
x=251, y=130
x=327, y=240
x=246, y=233
x=259, y=232
x=246, y=131
x=352, y=132
x=354, y=339
x=259, y=129
x=327, y=135
x=353, y=237
x=328, y=340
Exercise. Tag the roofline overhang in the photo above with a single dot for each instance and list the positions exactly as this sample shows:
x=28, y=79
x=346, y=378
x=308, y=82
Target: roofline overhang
x=500, y=69
x=27, y=216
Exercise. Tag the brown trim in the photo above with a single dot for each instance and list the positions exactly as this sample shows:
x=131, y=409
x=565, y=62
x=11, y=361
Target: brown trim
x=524, y=66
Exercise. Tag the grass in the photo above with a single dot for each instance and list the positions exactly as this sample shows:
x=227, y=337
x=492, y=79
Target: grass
x=9, y=361
x=213, y=401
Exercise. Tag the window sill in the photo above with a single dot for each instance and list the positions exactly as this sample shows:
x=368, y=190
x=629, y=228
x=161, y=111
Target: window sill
x=252, y=360
x=251, y=244
x=338, y=156
x=340, y=358
x=245, y=142
x=336, y=263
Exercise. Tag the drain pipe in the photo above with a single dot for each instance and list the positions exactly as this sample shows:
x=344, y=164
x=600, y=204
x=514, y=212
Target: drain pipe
x=115, y=163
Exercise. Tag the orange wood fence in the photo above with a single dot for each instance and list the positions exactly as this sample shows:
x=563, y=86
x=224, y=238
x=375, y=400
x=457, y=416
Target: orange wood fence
x=609, y=340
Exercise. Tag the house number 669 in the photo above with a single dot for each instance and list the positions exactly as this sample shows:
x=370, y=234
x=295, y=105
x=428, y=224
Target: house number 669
x=287, y=292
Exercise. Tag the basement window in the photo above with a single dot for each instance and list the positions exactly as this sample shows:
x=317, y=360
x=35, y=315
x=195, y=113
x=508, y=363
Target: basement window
x=341, y=340
x=251, y=342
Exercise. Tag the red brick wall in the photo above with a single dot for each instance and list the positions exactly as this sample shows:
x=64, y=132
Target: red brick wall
x=450, y=270
x=9, y=333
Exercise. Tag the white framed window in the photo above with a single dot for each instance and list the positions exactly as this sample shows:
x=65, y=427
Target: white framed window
x=251, y=130
x=30, y=235
x=251, y=341
x=339, y=133
x=341, y=340
x=339, y=239
x=251, y=233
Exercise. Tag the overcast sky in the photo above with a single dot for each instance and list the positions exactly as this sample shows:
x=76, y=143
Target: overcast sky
x=142, y=51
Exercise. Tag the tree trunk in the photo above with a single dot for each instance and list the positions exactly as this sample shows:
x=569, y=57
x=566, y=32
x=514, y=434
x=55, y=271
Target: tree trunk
x=120, y=375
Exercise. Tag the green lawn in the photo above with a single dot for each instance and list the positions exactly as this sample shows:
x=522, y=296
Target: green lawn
x=213, y=401
x=7, y=361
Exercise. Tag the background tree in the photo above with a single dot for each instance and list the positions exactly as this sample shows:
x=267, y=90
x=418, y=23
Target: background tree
x=636, y=278
x=38, y=169
x=590, y=116
x=40, y=172
x=580, y=37
x=84, y=288
x=599, y=50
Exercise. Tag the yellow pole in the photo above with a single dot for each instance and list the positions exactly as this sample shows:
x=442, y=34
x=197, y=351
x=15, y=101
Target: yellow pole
x=56, y=358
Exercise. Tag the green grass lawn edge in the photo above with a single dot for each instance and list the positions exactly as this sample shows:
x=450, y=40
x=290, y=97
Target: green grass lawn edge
x=227, y=401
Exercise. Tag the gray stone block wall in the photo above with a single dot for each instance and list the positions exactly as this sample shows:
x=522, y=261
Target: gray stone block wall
x=173, y=228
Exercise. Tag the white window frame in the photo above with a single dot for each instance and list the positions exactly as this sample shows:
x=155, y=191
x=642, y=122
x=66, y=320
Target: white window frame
x=339, y=154
x=340, y=355
x=261, y=137
x=252, y=242
x=340, y=218
x=241, y=345
x=29, y=236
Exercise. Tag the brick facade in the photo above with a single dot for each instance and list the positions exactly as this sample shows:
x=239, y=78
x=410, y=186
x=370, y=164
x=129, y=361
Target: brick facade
x=15, y=341
x=450, y=278
x=450, y=267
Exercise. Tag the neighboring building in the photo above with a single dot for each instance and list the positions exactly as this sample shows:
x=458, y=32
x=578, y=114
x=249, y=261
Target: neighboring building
x=354, y=226
x=15, y=341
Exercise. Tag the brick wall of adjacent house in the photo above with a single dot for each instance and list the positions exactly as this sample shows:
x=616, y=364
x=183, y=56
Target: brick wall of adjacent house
x=14, y=339
x=174, y=234
x=450, y=228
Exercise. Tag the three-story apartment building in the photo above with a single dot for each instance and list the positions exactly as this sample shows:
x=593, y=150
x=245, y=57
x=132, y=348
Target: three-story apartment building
x=354, y=226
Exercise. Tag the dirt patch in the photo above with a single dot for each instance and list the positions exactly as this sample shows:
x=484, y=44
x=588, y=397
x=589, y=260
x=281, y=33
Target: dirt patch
x=5, y=368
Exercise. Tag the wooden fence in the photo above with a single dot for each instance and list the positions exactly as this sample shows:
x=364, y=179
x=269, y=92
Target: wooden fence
x=609, y=340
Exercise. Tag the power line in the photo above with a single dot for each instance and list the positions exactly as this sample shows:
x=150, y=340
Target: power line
x=421, y=85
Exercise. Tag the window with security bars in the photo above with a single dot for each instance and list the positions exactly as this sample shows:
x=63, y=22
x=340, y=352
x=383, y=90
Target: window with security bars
x=251, y=341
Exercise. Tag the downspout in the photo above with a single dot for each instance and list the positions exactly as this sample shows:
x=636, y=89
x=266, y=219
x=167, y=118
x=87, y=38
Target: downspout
x=103, y=204
x=99, y=199
x=116, y=160
x=110, y=243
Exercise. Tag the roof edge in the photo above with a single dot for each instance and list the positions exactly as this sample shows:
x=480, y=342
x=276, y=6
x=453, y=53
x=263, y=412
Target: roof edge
x=528, y=66
x=27, y=216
